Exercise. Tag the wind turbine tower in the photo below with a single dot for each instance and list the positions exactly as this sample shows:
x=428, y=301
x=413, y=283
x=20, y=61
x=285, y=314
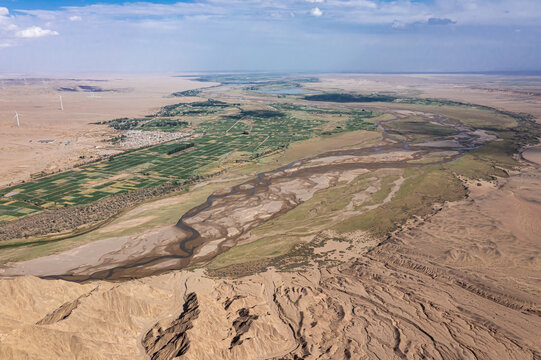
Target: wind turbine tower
x=61, y=105
x=17, y=117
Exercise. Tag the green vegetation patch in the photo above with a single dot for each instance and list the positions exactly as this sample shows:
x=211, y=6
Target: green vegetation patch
x=386, y=186
x=422, y=188
x=282, y=253
x=259, y=250
x=489, y=161
x=419, y=129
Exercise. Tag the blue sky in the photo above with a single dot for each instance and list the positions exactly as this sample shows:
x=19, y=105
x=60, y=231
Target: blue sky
x=58, y=4
x=269, y=35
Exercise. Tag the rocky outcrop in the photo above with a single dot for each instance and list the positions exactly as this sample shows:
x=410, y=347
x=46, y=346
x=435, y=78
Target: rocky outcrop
x=242, y=325
x=171, y=341
x=63, y=311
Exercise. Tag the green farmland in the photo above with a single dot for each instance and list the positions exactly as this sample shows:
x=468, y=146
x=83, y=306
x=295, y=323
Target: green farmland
x=222, y=128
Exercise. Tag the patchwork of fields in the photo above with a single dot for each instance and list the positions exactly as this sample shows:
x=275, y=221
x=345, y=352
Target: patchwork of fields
x=221, y=129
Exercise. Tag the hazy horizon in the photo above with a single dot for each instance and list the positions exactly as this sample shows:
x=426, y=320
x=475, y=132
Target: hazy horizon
x=324, y=36
x=276, y=73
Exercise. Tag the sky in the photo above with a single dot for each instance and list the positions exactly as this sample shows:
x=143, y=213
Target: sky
x=86, y=36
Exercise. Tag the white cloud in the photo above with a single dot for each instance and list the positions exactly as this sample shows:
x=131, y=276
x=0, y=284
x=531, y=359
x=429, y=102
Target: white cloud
x=366, y=12
x=366, y=4
x=6, y=22
x=75, y=18
x=398, y=25
x=35, y=32
x=316, y=12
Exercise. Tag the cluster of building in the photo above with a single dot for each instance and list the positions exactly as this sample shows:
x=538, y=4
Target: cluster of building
x=141, y=138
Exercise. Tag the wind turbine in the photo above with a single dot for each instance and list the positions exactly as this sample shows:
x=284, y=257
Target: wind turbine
x=61, y=105
x=17, y=117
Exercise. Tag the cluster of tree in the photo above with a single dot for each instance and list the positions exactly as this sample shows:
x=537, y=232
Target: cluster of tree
x=125, y=125
x=117, y=139
x=356, y=122
x=261, y=113
x=192, y=108
x=105, y=122
x=122, y=123
x=194, y=92
x=180, y=147
x=345, y=98
x=266, y=151
x=166, y=123
x=128, y=124
x=209, y=102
